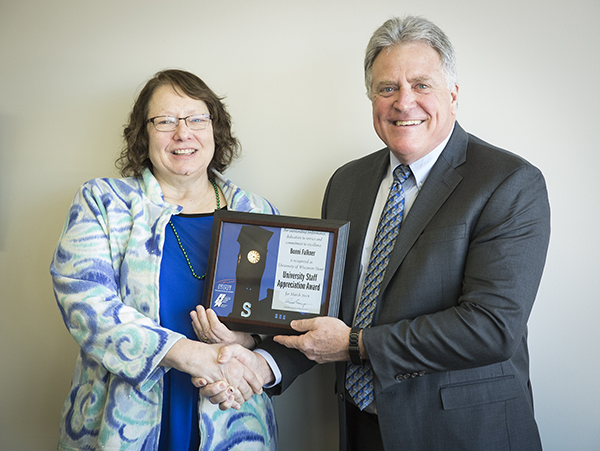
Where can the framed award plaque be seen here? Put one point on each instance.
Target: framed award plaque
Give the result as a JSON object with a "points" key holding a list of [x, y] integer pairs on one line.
{"points": [[266, 270]]}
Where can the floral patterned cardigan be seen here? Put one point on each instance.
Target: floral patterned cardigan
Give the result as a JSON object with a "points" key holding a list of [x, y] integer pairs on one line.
{"points": [[105, 273]]}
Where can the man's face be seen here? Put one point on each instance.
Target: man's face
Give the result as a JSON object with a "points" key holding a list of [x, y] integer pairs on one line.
{"points": [[413, 108]]}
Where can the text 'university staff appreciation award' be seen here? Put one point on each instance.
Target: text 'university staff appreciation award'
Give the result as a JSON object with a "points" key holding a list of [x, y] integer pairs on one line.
{"points": [[265, 270]]}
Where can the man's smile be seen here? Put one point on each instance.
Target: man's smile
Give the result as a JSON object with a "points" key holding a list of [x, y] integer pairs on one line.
{"points": [[405, 123]]}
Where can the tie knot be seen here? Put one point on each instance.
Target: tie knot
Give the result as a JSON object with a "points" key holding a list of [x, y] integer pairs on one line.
{"points": [[401, 173]]}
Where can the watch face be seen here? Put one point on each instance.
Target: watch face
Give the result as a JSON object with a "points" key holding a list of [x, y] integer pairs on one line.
{"points": [[253, 257]]}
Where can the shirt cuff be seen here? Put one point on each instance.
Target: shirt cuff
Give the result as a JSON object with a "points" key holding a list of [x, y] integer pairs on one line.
{"points": [[271, 361]]}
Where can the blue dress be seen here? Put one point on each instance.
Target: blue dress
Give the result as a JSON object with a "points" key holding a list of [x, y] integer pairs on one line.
{"points": [[180, 292]]}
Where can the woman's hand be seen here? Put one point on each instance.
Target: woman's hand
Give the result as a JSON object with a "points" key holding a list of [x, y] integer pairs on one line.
{"points": [[209, 329]]}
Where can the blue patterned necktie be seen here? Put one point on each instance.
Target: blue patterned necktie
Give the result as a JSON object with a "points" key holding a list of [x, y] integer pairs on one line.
{"points": [[359, 378]]}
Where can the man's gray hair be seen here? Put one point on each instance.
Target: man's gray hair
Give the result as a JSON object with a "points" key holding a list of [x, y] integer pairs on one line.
{"points": [[405, 30]]}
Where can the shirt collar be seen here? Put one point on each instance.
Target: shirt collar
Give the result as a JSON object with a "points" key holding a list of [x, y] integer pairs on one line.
{"points": [[422, 167]]}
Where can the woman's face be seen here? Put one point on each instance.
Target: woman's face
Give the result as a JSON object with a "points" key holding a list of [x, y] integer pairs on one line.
{"points": [[181, 155]]}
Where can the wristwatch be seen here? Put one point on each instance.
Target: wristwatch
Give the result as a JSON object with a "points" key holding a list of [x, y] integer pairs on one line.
{"points": [[353, 347]]}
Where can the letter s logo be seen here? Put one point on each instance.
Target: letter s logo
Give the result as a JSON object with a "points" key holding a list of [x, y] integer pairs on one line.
{"points": [[246, 310]]}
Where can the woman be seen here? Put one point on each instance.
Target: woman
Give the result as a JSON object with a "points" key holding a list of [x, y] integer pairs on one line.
{"points": [[129, 269]]}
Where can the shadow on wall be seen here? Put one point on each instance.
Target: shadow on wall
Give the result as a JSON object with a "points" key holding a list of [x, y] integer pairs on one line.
{"points": [[307, 412], [6, 142], [41, 359]]}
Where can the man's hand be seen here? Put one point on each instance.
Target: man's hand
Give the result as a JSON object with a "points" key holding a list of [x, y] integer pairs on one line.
{"points": [[325, 340]]}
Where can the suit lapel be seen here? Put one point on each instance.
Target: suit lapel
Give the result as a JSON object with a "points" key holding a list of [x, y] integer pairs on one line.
{"points": [[364, 191], [440, 184]]}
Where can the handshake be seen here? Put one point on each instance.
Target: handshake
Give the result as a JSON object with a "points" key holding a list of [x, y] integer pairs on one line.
{"points": [[226, 370], [222, 365], [235, 375]]}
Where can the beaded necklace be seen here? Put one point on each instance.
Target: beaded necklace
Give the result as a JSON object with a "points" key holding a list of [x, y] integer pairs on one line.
{"points": [[187, 259]]}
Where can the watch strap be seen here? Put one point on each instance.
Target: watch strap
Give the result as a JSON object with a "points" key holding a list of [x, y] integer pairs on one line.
{"points": [[353, 347]]}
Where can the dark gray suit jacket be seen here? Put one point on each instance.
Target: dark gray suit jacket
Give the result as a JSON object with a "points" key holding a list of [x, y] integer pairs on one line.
{"points": [[448, 343]]}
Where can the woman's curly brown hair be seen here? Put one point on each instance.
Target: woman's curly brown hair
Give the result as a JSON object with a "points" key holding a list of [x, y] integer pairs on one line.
{"points": [[135, 158]]}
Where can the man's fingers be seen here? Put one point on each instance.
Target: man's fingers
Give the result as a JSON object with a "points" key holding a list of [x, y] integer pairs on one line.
{"points": [[303, 325], [222, 395], [229, 403], [289, 341], [252, 379], [297, 341], [250, 365], [226, 397], [243, 355], [243, 393], [199, 382], [210, 390], [226, 404], [226, 353]]}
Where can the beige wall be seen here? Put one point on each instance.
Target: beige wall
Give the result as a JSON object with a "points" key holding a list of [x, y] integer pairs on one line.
{"points": [[291, 71]]}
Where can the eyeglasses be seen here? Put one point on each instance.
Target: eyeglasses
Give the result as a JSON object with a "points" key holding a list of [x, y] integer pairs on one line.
{"points": [[170, 123]]}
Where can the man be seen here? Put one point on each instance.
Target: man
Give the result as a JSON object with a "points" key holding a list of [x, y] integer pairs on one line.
{"points": [[439, 360]]}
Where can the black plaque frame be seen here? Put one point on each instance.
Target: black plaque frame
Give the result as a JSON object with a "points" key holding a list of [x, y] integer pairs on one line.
{"points": [[237, 289]]}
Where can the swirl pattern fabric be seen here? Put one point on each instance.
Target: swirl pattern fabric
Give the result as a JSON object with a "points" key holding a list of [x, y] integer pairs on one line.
{"points": [[105, 273], [359, 378]]}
